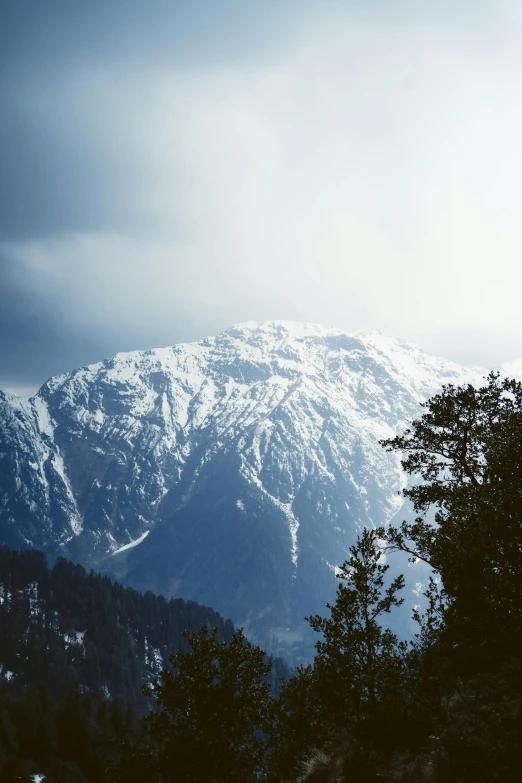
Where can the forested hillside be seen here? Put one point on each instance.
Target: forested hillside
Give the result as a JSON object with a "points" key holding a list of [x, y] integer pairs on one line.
{"points": [[63, 626], [75, 650]]}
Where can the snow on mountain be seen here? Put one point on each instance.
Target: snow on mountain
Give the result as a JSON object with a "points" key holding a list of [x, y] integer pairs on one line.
{"points": [[37, 504], [235, 471], [512, 369]]}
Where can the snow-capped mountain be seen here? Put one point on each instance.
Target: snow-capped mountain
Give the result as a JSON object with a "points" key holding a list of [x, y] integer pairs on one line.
{"points": [[235, 471]]}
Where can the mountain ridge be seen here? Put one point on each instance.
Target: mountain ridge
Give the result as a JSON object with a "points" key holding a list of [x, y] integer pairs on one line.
{"points": [[205, 469]]}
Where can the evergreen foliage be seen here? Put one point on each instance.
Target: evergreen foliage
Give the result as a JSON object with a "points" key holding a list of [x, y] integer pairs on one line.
{"points": [[75, 650], [354, 687], [69, 740], [63, 626], [355, 654], [214, 709], [467, 448]]}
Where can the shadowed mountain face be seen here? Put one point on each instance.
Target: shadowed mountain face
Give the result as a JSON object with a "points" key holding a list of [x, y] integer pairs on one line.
{"points": [[235, 471]]}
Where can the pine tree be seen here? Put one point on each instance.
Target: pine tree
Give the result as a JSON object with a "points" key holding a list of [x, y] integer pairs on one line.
{"points": [[467, 448], [214, 707], [356, 656]]}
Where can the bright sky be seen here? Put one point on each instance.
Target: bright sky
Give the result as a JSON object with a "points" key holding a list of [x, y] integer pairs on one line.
{"points": [[172, 168]]}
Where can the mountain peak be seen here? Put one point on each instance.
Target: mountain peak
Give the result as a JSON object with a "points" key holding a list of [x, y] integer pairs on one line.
{"points": [[281, 328], [367, 332], [248, 460]]}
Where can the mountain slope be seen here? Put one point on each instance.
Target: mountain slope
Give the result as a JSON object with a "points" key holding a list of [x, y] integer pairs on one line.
{"points": [[235, 471]]}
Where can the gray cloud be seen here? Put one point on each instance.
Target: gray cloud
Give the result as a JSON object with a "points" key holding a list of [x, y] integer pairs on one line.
{"points": [[36, 341], [359, 167]]}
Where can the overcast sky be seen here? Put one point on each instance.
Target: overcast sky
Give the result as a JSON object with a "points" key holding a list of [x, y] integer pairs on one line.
{"points": [[171, 168]]}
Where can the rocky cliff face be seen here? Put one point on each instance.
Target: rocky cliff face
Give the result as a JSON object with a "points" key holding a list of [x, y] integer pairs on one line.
{"points": [[235, 471]]}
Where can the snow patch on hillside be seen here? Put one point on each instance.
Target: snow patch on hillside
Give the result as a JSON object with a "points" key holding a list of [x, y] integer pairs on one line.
{"points": [[43, 416], [132, 543]]}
